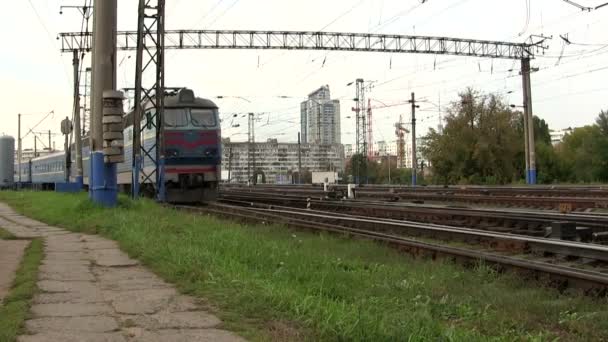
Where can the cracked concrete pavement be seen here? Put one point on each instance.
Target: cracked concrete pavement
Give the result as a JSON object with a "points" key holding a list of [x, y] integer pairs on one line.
{"points": [[91, 291]]}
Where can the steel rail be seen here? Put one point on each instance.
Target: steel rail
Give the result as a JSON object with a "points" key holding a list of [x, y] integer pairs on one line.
{"points": [[598, 222], [568, 248], [575, 203], [585, 278]]}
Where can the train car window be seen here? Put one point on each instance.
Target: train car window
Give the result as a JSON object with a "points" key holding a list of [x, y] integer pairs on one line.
{"points": [[202, 117], [175, 117]]}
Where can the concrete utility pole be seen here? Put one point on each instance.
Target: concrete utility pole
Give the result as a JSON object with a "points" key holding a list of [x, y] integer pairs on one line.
{"points": [[103, 178], [66, 129], [19, 147], [229, 164], [414, 161], [35, 146], [528, 122], [50, 147], [77, 132], [86, 95], [251, 149], [299, 160]]}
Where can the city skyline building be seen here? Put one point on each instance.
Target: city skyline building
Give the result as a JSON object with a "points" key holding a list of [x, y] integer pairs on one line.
{"points": [[278, 162], [320, 118]]}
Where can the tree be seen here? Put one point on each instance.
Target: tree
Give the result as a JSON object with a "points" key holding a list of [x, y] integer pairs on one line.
{"points": [[584, 153], [602, 122], [478, 143], [358, 165]]}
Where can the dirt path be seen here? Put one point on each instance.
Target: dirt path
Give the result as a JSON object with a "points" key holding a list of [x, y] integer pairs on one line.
{"points": [[91, 291]]}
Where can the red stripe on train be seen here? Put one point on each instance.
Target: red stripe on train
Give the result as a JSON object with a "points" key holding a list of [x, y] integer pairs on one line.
{"points": [[181, 143]]}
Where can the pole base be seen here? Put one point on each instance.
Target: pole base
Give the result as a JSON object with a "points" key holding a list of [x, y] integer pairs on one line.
{"points": [[79, 181], [104, 189], [532, 177]]}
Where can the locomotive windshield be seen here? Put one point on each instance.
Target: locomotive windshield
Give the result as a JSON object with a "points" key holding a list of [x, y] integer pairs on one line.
{"points": [[184, 117], [202, 117], [176, 117]]}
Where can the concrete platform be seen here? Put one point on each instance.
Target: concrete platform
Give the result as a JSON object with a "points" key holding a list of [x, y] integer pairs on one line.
{"points": [[91, 291]]}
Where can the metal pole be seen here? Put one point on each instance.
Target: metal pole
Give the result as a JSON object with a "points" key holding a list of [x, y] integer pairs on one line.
{"points": [[66, 150], [530, 117], [414, 161], [249, 145], [50, 147], [19, 146], [77, 132], [230, 164], [299, 160], [160, 100], [103, 177], [35, 146], [138, 111], [357, 166], [525, 74], [389, 169], [255, 180]]}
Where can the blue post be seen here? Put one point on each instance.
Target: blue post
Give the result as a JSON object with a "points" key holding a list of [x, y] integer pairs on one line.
{"points": [[162, 195], [135, 177], [91, 175], [414, 178], [79, 181], [532, 176], [104, 186]]}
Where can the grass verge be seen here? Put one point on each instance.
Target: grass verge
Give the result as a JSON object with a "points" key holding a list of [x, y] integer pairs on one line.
{"points": [[14, 309], [6, 235], [271, 283]]}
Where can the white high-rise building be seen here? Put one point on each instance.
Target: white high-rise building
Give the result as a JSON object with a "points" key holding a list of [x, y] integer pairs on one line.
{"points": [[320, 118]]}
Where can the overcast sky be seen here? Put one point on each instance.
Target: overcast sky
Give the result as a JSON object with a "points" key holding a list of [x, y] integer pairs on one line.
{"points": [[35, 77]]}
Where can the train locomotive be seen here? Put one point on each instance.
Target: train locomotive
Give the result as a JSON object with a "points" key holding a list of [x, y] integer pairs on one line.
{"points": [[192, 150]]}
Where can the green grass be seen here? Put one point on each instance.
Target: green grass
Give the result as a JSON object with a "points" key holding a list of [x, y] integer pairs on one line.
{"points": [[272, 283], [6, 235], [14, 309]]}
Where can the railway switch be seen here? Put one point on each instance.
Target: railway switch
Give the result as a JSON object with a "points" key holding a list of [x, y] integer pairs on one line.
{"points": [[563, 230]]}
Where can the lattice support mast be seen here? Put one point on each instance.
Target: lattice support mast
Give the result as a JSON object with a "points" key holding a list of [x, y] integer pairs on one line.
{"points": [[148, 159], [370, 132]]}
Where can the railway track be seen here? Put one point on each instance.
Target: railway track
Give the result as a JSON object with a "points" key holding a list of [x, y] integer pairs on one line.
{"points": [[563, 263], [562, 199], [539, 191], [588, 227]]}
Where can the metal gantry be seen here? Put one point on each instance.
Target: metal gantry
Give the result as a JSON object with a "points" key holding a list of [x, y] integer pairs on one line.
{"points": [[148, 159], [151, 38], [299, 40]]}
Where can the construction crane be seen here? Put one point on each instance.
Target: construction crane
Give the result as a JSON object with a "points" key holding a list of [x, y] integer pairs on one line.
{"points": [[371, 153], [400, 132]]}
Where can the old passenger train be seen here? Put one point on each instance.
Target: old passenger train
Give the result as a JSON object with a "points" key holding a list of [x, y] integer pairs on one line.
{"points": [[192, 146]]}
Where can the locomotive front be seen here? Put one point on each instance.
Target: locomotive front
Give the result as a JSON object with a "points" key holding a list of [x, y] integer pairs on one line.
{"points": [[192, 148]]}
